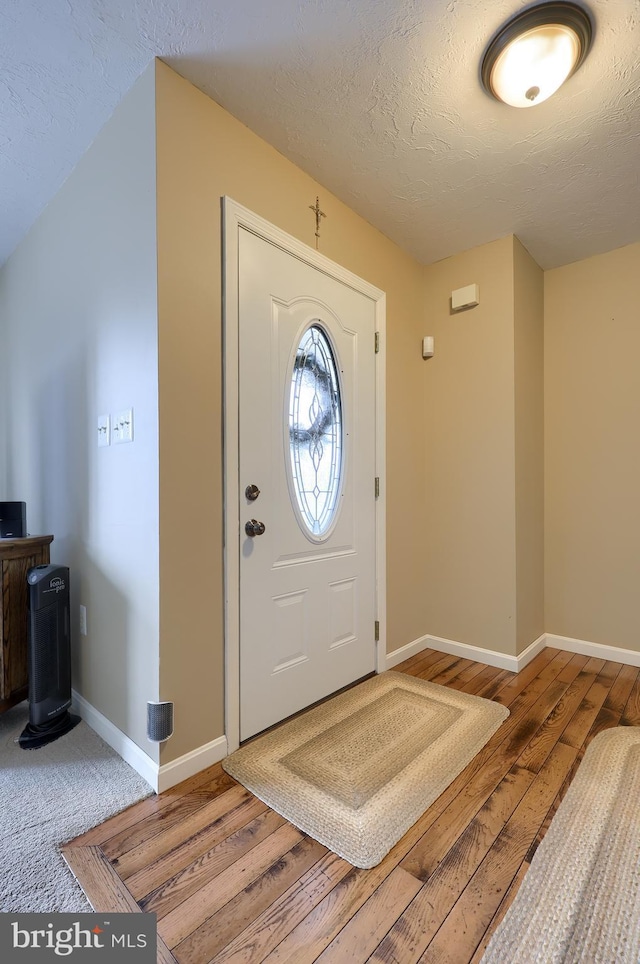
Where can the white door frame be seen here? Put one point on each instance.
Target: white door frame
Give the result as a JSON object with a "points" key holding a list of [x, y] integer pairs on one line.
{"points": [[234, 217]]}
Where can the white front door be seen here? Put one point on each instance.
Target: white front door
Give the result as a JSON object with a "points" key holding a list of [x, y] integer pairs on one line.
{"points": [[307, 467]]}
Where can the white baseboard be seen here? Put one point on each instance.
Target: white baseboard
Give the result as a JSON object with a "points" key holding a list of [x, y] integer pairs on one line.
{"points": [[117, 740], [405, 652], [586, 648], [513, 663], [191, 763], [454, 648], [159, 777], [532, 650]]}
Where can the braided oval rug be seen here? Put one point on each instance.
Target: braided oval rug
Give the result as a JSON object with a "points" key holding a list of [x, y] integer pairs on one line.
{"points": [[579, 902], [357, 771]]}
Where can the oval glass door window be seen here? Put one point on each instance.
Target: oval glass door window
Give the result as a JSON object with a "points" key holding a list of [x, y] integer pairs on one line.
{"points": [[315, 432]]}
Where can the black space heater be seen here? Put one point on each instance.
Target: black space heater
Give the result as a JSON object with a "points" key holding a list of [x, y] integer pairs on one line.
{"points": [[49, 643]]}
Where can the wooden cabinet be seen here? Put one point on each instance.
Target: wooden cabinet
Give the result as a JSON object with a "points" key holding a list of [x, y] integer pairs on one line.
{"points": [[17, 556]]}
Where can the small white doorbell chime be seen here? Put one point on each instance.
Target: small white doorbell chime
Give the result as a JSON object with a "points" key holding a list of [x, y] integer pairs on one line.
{"points": [[467, 297]]}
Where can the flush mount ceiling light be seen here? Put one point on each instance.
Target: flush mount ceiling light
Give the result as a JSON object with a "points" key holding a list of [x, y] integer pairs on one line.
{"points": [[533, 54]]}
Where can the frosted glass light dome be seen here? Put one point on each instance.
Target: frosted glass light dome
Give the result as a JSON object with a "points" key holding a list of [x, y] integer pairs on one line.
{"points": [[535, 53]]}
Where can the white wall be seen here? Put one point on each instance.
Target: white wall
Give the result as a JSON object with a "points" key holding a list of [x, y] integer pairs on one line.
{"points": [[78, 315], [4, 492]]}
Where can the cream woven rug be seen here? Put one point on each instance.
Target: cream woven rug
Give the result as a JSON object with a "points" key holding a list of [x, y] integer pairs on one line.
{"points": [[579, 902], [357, 771]]}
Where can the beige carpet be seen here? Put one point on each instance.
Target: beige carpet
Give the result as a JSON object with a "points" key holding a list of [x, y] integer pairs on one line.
{"points": [[47, 797], [579, 902], [357, 771]]}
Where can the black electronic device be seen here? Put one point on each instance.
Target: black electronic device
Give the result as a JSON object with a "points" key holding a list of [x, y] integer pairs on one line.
{"points": [[49, 641], [13, 520]]}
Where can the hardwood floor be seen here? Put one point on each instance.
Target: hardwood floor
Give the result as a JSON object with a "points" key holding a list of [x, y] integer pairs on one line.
{"points": [[232, 881]]}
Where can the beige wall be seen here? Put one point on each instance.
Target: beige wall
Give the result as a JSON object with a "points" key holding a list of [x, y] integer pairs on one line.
{"points": [[592, 415], [202, 154], [483, 427], [529, 445], [468, 507], [466, 443]]}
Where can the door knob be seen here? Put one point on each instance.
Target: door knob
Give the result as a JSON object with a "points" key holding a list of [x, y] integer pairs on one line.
{"points": [[251, 493], [254, 528]]}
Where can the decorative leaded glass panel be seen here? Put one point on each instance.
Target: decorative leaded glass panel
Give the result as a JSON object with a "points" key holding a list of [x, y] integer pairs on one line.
{"points": [[315, 431]]}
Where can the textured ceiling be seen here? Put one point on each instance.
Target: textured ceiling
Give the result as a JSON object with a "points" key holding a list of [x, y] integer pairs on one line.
{"points": [[378, 99]]}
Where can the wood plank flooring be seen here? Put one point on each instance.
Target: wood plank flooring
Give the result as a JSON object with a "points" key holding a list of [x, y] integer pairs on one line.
{"points": [[232, 881]]}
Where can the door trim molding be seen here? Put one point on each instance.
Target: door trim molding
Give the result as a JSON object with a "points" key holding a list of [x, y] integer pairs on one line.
{"points": [[234, 217]]}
